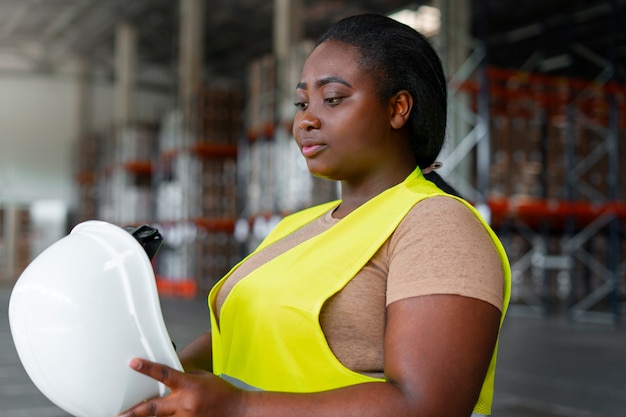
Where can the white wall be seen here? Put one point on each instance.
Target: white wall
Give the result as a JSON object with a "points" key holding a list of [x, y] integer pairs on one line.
{"points": [[39, 128]]}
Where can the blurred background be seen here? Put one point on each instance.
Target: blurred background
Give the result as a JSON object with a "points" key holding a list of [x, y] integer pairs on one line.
{"points": [[178, 114]]}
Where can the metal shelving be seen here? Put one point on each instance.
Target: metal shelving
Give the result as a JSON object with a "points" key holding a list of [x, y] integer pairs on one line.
{"points": [[543, 153], [540, 156], [273, 177], [196, 183]]}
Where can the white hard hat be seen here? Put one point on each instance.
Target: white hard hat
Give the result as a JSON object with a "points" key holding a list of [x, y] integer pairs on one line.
{"points": [[81, 311]]}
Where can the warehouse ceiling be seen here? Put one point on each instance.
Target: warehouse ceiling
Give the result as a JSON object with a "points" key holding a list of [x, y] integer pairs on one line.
{"points": [[577, 38], [566, 37]]}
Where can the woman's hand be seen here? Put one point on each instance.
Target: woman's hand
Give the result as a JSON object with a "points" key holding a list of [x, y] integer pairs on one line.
{"points": [[192, 394]]}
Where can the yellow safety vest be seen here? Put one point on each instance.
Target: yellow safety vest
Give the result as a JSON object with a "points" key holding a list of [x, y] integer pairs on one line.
{"points": [[269, 336]]}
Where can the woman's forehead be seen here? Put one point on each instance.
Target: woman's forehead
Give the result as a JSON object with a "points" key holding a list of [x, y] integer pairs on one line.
{"points": [[333, 59]]}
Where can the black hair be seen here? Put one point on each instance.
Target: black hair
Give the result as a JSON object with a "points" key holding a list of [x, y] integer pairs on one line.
{"points": [[435, 178], [400, 58]]}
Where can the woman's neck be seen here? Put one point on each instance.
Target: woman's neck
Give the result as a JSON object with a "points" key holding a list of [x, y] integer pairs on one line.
{"points": [[356, 193]]}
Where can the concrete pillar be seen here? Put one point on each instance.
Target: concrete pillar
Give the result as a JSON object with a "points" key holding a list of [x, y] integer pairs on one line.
{"points": [[84, 119], [11, 238], [125, 72], [454, 39], [191, 54], [454, 46], [288, 32], [483, 148]]}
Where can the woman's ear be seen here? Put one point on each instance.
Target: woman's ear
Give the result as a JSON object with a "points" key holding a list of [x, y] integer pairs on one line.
{"points": [[400, 104]]}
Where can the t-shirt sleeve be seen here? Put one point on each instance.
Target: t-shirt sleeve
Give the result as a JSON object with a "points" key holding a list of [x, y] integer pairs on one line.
{"points": [[441, 247]]}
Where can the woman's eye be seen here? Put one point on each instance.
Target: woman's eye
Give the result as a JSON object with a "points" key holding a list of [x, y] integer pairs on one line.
{"points": [[301, 105], [333, 101]]}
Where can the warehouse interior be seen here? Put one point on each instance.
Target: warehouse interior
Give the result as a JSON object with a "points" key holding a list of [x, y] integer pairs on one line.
{"points": [[178, 114]]}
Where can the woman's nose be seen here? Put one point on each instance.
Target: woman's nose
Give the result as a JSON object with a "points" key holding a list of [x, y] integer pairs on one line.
{"points": [[309, 122]]}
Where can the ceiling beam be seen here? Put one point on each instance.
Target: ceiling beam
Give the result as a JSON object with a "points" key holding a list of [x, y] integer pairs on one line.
{"points": [[67, 18], [18, 17], [536, 29]]}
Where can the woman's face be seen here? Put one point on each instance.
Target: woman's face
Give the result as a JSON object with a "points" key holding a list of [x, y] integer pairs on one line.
{"points": [[341, 125]]}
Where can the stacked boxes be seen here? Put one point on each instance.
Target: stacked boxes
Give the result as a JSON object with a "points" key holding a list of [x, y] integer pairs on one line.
{"points": [[177, 202], [219, 128], [126, 194], [216, 254], [219, 116], [261, 98], [273, 173], [571, 116], [551, 174], [197, 191]]}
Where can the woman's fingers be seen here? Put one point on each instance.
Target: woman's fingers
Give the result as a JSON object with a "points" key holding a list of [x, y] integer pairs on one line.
{"points": [[149, 408], [192, 394], [162, 373]]}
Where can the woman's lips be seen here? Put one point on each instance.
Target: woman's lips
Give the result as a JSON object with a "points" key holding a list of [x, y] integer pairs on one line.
{"points": [[311, 150]]}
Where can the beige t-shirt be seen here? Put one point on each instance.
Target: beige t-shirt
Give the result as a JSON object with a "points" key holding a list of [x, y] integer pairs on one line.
{"points": [[440, 247]]}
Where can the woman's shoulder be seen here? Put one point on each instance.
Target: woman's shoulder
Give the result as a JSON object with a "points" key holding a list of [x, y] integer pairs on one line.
{"points": [[453, 250], [445, 223], [442, 212]]}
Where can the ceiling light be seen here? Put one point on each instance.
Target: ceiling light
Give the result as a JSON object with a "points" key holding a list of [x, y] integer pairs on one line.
{"points": [[424, 19]]}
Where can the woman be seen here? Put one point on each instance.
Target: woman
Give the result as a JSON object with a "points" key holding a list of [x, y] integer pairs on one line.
{"points": [[387, 302]]}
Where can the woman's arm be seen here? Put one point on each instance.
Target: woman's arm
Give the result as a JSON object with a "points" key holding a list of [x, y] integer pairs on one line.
{"points": [[197, 354], [437, 351]]}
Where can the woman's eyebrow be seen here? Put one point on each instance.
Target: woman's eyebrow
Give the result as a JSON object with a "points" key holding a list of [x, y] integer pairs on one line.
{"points": [[322, 82]]}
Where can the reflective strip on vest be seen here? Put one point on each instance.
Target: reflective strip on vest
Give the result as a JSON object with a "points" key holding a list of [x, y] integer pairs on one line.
{"points": [[269, 334], [239, 383]]}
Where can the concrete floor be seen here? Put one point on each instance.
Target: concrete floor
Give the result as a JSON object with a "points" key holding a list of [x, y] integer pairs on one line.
{"points": [[546, 367]]}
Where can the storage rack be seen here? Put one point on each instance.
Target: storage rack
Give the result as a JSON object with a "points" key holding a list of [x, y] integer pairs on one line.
{"points": [[544, 153], [125, 174], [15, 240], [113, 174], [196, 183], [561, 216], [273, 178], [180, 177]]}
